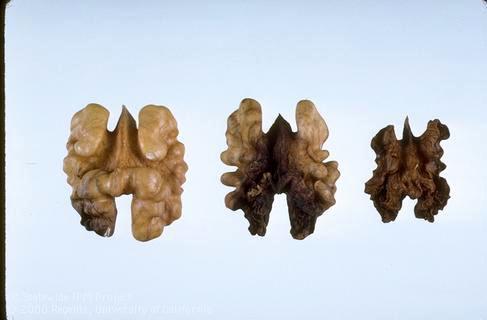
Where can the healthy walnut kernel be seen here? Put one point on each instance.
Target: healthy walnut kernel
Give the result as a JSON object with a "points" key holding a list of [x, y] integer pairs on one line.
{"points": [[147, 163]]}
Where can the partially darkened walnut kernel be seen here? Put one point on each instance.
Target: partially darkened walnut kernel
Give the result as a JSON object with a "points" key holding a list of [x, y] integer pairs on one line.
{"points": [[409, 167], [280, 161], [147, 163]]}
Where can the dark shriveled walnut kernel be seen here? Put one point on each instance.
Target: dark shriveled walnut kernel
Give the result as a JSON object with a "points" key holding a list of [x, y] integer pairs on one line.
{"points": [[409, 167], [280, 161]]}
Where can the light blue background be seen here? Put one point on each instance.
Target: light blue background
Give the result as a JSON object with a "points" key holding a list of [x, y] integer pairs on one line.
{"points": [[365, 64]]}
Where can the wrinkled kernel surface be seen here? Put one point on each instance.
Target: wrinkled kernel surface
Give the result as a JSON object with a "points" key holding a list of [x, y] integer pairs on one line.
{"points": [[279, 161], [409, 167], [147, 163]]}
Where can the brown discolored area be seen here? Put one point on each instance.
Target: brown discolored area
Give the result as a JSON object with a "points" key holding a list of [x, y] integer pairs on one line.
{"points": [[409, 167], [279, 161]]}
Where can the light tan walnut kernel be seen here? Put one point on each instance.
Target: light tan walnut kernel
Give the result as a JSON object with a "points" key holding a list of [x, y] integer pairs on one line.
{"points": [[148, 163]]}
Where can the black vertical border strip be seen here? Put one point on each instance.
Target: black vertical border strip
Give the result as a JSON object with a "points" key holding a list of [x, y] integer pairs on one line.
{"points": [[2, 164]]}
